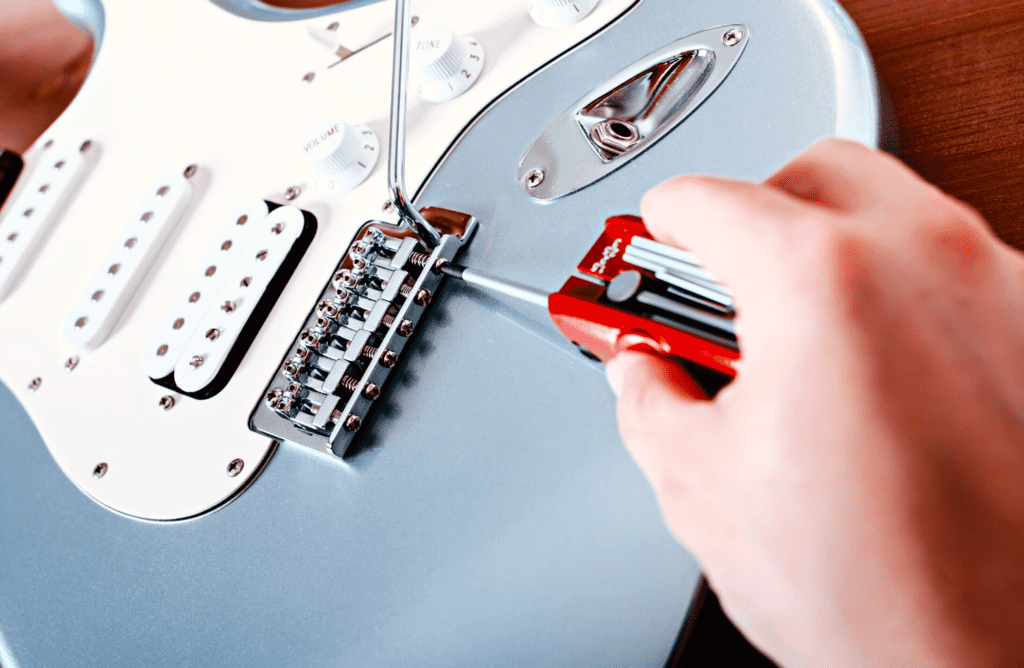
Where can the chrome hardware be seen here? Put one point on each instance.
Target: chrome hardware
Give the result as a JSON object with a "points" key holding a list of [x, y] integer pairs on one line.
{"points": [[100, 470], [628, 113], [34, 384], [235, 467], [351, 339], [167, 402]]}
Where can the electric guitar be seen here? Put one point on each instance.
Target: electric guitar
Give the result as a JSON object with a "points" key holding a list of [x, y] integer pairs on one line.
{"points": [[175, 233]]}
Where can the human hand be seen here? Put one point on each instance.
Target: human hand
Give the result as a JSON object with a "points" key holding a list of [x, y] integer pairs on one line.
{"points": [[856, 495]]}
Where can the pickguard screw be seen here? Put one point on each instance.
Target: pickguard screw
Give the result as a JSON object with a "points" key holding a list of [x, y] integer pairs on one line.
{"points": [[733, 37], [34, 385], [308, 78], [71, 364], [86, 145], [423, 297], [405, 327], [353, 423], [371, 391], [197, 361], [388, 359], [292, 192], [190, 171], [333, 26], [235, 467], [389, 207], [213, 334], [48, 144], [534, 178], [228, 307], [167, 402], [100, 470]]}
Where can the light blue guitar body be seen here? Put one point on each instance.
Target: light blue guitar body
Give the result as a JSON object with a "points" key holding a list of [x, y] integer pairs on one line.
{"points": [[490, 516]]}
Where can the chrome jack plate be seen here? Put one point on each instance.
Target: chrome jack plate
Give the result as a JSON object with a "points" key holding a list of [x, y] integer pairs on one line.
{"points": [[627, 114]]}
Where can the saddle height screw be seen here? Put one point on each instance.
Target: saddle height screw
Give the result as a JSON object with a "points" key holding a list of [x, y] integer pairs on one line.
{"points": [[235, 467], [71, 364], [100, 470], [733, 37], [535, 178], [167, 402], [34, 385]]}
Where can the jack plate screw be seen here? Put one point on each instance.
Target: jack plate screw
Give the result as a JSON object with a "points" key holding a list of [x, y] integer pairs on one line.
{"points": [[167, 402], [235, 467], [733, 37], [100, 470], [534, 178]]}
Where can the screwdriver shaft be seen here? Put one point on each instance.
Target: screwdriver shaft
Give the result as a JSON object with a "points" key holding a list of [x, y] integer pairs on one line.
{"points": [[495, 284]]}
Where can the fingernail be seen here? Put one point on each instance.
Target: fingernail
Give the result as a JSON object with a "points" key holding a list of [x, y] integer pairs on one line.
{"points": [[614, 371]]}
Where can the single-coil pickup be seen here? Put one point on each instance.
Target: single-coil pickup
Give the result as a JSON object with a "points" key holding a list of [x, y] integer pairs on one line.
{"points": [[267, 260], [108, 294], [209, 275], [30, 217]]}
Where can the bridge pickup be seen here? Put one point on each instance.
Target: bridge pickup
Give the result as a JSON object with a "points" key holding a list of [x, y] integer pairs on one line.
{"points": [[338, 368], [232, 289]]}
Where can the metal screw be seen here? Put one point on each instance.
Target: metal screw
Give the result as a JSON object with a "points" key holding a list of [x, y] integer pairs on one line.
{"points": [[242, 220], [81, 322], [535, 178], [48, 144], [246, 282], [440, 264], [162, 350], [308, 78], [235, 467], [86, 145], [163, 191], [190, 171], [179, 323], [197, 361], [353, 423], [34, 385], [211, 270], [167, 402], [388, 359], [98, 295], [262, 255], [228, 306], [389, 207], [277, 229], [371, 391], [733, 37], [335, 415], [114, 268], [99, 471], [423, 297], [193, 298], [131, 243], [71, 363], [213, 334], [405, 327], [148, 216], [292, 192], [333, 26]]}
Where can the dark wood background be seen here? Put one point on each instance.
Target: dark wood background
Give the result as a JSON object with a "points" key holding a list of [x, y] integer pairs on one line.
{"points": [[955, 72]]}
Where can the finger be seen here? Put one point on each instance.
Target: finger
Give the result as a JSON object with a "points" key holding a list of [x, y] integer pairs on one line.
{"points": [[742, 232], [661, 412], [845, 176]]}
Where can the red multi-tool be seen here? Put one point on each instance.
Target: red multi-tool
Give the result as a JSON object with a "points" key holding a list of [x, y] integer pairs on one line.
{"points": [[636, 293]]}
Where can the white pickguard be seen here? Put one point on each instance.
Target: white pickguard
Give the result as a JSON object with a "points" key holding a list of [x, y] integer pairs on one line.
{"points": [[180, 82]]}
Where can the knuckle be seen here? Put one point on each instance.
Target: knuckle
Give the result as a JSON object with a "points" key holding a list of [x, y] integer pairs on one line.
{"points": [[957, 242]]}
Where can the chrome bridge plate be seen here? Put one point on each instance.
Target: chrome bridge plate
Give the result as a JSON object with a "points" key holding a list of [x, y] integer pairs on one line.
{"points": [[337, 370]]}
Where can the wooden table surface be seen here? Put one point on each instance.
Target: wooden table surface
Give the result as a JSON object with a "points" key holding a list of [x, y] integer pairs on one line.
{"points": [[955, 72]]}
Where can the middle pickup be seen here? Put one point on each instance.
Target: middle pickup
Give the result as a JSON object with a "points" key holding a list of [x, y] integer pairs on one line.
{"points": [[231, 290]]}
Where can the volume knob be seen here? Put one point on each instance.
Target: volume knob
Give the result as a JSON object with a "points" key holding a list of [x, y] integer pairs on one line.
{"points": [[560, 13], [343, 154], [447, 64]]}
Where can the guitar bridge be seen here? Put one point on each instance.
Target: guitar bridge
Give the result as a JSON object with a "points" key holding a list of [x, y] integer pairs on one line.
{"points": [[337, 370]]}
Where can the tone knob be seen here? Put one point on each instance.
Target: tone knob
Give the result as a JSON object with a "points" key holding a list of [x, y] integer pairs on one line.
{"points": [[560, 13], [447, 64], [343, 154]]}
